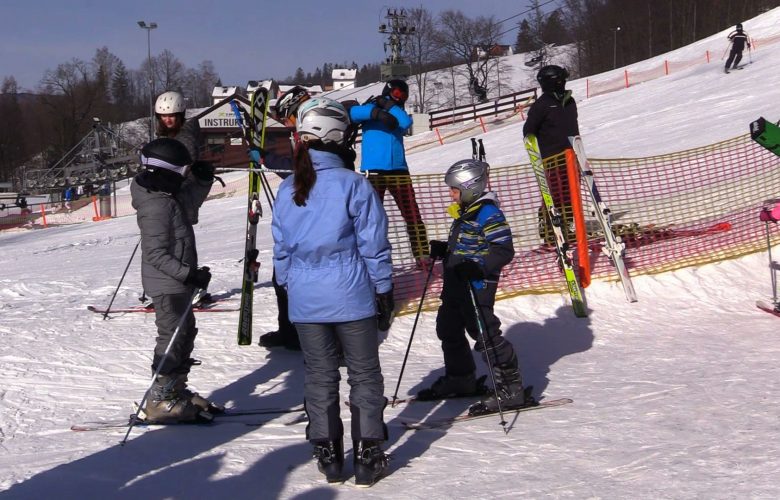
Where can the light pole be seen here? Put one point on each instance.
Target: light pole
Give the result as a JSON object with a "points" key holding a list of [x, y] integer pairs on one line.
{"points": [[614, 46], [149, 29]]}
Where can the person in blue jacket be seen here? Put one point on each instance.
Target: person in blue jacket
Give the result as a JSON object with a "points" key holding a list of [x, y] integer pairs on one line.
{"points": [[384, 123], [332, 254]]}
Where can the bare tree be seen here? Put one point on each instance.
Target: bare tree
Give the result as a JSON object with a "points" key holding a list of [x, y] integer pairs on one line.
{"points": [[70, 95], [199, 84], [12, 139], [169, 72], [470, 41], [422, 50]]}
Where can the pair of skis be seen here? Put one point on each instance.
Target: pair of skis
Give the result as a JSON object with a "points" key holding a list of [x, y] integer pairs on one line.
{"points": [[614, 248], [253, 128]]}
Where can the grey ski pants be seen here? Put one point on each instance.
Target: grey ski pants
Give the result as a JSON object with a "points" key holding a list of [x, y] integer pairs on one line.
{"points": [[168, 310], [320, 344]]}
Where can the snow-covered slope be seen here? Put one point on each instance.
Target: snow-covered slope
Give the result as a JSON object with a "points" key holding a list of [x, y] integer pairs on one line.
{"points": [[676, 396]]}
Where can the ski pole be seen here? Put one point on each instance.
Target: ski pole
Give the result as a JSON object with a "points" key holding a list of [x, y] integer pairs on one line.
{"points": [[481, 327], [134, 418], [725, 51], [414, 328], [771, 265], [108, 309]]}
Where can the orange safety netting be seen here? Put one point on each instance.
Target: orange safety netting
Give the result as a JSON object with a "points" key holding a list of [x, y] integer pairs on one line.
{"points": [[688, 208], [681, 209]]}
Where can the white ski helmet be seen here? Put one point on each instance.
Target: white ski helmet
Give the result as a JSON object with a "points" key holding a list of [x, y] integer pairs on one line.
{"points": [[169, 103], [469, 177], [324, 119]]}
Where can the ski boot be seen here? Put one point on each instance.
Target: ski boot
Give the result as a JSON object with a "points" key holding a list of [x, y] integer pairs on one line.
{"points": [[167, 406], [454, 386], [510, 392], [330, 459], [196, 399], [370, 462], [279, 338]]}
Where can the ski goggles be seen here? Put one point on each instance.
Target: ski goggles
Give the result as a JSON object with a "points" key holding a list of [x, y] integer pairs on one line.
{"points": [[398, 95]]}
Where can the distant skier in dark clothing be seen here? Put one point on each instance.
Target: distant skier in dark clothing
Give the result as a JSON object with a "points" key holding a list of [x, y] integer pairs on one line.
{"points": [[552, 119], [738, 39]]}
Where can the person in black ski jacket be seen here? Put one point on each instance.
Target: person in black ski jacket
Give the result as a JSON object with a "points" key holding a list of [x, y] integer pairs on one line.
{"points": [[170, 272], [552, 119], [738, 39]]}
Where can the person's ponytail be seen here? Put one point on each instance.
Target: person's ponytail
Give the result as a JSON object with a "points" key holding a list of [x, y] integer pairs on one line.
{"points": [[305, 175]]}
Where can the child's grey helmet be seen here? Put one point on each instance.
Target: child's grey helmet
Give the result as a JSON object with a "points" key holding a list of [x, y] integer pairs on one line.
{"points": [[469, 177]]}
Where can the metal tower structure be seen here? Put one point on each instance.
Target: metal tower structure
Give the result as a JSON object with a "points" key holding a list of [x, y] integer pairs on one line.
{"points": [[397, 29]]}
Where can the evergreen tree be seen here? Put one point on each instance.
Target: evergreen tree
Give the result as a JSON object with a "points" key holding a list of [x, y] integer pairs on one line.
{"points": [[525, 41]]}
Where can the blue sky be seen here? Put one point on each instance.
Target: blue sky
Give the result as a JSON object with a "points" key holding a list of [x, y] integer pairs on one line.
{"points": [[245, 39]]}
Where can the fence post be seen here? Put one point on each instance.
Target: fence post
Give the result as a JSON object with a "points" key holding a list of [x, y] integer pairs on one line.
{"points": [[439, 136]]}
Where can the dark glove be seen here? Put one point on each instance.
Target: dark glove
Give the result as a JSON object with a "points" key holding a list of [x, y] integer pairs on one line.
{"points": [[766, 216], [256, 154], [438, 249], [203, 170], [469, 270], [199, 278], [385, 103], [384, 118], [385, 306]]}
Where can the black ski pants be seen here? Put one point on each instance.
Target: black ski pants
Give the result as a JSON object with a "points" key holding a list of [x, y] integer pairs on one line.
{"points": [[736, 56], [456, 317]]}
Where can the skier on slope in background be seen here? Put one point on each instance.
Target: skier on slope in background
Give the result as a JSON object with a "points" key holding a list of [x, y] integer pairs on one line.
{"points": [[738, 38]]}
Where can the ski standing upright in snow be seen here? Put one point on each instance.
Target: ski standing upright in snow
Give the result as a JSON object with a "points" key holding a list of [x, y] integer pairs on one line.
{"points": [[556, 221], [259, 112], [614, 247]]}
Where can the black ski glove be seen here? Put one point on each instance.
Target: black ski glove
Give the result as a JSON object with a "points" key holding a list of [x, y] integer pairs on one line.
{"points": [[385, 306], [385, 103], [469, 270], [438, 249], [384, 118], [199, 278], [203, 170]]}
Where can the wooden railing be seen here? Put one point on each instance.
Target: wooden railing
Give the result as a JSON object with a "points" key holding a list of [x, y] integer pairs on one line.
{"points": [[503, 104]]}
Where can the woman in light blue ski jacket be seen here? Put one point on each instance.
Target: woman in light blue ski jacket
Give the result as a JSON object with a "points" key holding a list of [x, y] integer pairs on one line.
{"points": [[332, 254]]}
